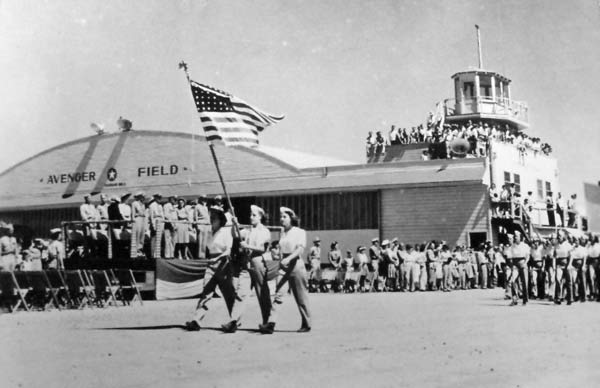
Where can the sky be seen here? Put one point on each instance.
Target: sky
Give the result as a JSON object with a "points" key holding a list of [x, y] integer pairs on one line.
{"points": [[335, 68]]}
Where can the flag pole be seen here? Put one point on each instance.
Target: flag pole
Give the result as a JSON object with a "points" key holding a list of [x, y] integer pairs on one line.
{"points": [[184, 67]]}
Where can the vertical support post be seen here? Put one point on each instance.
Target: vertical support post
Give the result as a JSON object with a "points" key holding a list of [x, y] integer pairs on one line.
{"points": [[479, 47], [109, 232], [477, 93]]}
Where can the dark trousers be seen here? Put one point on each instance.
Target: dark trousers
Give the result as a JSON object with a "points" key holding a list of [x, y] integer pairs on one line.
{"points": [[563, 275], [580, 279]]}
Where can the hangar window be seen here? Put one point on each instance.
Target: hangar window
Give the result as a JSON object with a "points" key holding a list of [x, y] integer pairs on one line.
{"points": [[327, 211]]}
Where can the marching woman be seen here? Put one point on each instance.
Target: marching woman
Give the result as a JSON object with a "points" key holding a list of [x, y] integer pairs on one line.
{"points": [[292, 243], [218, 272], [254, 241]]}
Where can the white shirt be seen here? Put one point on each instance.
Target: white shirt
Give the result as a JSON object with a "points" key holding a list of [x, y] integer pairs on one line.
{"points": [[220, 241], [125, 210], [292, 239]]}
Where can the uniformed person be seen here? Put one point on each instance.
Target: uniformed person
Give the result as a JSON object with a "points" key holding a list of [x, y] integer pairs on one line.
{"points": [[579, 256], [508, 267], [56, 250], [410, 265], [549, 268], [363, 267], [102, 211], [218, 272], [170, 216], [314, 260], [182, 235], [157, 224], [374, 261], [536, 270], [482, 260], [520, 255], [445, 259], [138, 232], [431, 255], [8, 248], [563, 265], [202, 222], [292, 243], [253, 244], [594, 267], [335, 260], [385, 263]]}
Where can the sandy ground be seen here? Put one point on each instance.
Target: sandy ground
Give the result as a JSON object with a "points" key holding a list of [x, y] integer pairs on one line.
{"points": [[465, 338]]}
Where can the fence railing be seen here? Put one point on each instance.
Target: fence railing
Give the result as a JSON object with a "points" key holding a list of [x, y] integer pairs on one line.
{"points": [[498, 106], [104, 231]]}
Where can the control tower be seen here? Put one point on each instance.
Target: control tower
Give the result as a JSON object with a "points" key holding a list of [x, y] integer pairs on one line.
{"points": [[481, 95]]}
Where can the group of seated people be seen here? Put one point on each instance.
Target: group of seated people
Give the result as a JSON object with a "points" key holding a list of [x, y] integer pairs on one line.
{"points": [[476, 136]]}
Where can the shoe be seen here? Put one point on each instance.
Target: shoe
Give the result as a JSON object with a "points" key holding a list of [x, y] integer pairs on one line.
{"points": [[569, 303], [192, 326], [557, 301], [524, 302], [513, 303], [267, 328], [230, 327], [304, 329]]}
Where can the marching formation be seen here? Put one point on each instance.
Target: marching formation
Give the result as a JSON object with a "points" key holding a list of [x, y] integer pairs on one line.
{"points": [[559, 268], [238, 258]]}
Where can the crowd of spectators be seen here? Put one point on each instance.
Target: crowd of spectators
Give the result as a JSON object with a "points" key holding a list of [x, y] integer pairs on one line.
{"points": [[476, 137], [34, 254], [509, 203], [392, 266]]}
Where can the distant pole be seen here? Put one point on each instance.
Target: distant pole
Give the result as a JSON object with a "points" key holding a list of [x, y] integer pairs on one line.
{"points": [[479, 47]]}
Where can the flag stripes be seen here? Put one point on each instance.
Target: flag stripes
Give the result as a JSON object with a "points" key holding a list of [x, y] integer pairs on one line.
{"points": [[227, 118]]}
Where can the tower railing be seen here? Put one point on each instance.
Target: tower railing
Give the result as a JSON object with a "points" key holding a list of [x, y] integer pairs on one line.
{"points": [[516, 110]]}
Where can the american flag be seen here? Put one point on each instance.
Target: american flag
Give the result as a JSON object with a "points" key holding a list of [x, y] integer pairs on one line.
{"points": [[227, 118]]}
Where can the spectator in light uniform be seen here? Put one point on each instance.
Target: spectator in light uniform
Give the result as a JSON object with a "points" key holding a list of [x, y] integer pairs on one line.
{"points": [[314, 261], [579, 256], [157, 223], [520, 256], [563, 265]]}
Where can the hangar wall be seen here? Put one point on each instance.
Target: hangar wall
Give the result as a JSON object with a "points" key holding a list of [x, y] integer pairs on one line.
{"points": [[417, 214]]}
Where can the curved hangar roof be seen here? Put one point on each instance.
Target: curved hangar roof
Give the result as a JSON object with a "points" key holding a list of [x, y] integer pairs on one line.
{"points": [[180, 163]]}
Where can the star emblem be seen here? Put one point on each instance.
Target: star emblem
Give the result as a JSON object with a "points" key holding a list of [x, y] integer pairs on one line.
{"points": [[112, 174]]}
